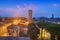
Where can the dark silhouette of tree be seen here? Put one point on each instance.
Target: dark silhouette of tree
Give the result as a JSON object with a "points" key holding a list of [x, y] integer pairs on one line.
{"points": [[54, 29], [33, 31]]}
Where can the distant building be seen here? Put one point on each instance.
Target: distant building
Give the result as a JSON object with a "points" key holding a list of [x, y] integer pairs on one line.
{"points": [[58, 22], [49, 20], [52, 16], [30, 16], [13, 30]]}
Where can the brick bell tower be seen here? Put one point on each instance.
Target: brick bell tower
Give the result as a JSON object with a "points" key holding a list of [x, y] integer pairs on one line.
{"points": [[30, 16]]}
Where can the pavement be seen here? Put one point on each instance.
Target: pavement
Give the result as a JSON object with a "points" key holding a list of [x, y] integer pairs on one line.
{"points": [[14, 38]]}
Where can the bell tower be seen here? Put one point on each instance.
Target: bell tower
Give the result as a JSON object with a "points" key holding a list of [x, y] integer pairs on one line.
{"points": [[30, 16]]}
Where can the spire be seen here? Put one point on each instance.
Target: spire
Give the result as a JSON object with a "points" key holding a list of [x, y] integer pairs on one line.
{"points": [[52, 16]]}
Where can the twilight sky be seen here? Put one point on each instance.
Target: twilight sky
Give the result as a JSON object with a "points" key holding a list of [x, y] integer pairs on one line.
{"points": [[20, 8]]}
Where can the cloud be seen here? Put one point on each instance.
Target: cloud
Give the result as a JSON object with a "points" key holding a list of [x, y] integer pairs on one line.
{"points": [[30, 6], [19, 10], [7, 10], [55, 4]]}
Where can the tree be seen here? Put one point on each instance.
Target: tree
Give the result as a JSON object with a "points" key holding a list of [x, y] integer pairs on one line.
{"points": [[54, 29], [33, 31]]}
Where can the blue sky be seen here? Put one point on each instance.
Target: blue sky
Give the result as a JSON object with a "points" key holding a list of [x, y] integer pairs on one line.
{"points": [[20, 8]]}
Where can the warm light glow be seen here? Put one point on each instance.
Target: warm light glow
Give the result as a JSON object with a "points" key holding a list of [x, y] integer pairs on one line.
{"points": [[3, 28], [16, 22], [45, 34], [26, 23]]}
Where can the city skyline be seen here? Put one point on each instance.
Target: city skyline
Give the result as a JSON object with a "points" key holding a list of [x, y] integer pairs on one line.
{"points": [[20, 8]]}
